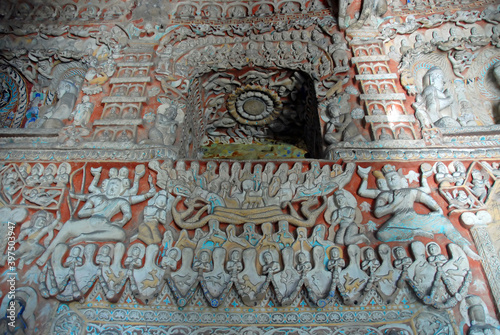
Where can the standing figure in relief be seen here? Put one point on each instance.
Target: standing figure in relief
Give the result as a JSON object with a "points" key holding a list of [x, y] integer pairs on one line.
{"points": [[405, 224], [270, 266], [339, 52], [437, 99], [401, 260], [82, 112]]}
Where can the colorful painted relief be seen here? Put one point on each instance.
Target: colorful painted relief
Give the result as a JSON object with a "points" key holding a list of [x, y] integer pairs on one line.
{"points": [[299, 167], [233, 235]]}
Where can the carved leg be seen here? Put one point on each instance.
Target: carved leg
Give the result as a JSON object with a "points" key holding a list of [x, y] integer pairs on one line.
{"points": [[66, 232], [352, 235], [455, 237], [107, 233], [391, 234]]}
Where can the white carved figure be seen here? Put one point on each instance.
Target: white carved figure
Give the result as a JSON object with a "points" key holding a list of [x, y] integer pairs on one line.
{"points": [[340, 126], [437, 99], [172, 257], [11, 183], [67, 92], [95, 217], [339, 51], [347, 216], [41, 224], [234, 264], [203, 261], [369, 264], [336, 263], [82, 112], [303, 263], [270, 266], [459, 199], [435, 257], [458, 172], [405, 224], [480, 184], [475, 313], [442, 174], [401, 261]]}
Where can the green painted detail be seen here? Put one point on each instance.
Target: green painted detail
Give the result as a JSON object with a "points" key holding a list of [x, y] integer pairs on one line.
{"points": [[252, 151]]}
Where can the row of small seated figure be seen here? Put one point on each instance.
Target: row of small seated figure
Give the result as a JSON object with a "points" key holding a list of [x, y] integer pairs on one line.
{"points": [[250, 271], [270, 261]]}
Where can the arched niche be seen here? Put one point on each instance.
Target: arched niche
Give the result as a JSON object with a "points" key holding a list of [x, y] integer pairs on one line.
{"points": [[252, 113]]}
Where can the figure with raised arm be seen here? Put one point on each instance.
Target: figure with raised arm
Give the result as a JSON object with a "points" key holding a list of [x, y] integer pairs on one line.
{"points": [[94, 223], [405, 224]]}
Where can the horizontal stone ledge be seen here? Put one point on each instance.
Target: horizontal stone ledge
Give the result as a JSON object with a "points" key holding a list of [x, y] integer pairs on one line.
{"points": [[376, 76], [390, 118], [476, 130], [408, 154], [374, 58], [124, 80], [391, 96], [123, 99], [134, 64], [28, 132], [91, 151], [118, 122]]}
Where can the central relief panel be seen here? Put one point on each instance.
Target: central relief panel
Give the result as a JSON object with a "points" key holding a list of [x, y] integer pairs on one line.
{"points": [[250, 245], [259, 113]]}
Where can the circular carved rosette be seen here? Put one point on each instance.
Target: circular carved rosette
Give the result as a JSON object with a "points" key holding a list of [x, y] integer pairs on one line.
{"points": [[254, 105]]}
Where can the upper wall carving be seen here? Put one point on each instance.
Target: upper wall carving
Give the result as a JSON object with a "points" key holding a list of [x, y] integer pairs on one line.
{"points": [[39, 12]]}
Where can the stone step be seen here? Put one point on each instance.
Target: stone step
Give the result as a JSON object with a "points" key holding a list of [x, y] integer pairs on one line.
{"points": [[118, 122], [124, 99], [376, 76], [123, 80], [390, 118], [375, 58], [134, 64], [392, 96]]}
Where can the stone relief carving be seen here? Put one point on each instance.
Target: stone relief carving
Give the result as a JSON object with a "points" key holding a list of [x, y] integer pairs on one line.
{"points": [[477, 317], [324, 264], [219, 260], [94, 224], [405, 224]]}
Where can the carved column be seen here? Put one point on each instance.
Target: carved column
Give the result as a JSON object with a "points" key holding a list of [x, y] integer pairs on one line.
{"points": [[490, 260]]}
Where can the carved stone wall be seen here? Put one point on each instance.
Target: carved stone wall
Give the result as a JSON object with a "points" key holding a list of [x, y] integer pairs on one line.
{"points": [[301, 167]]}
